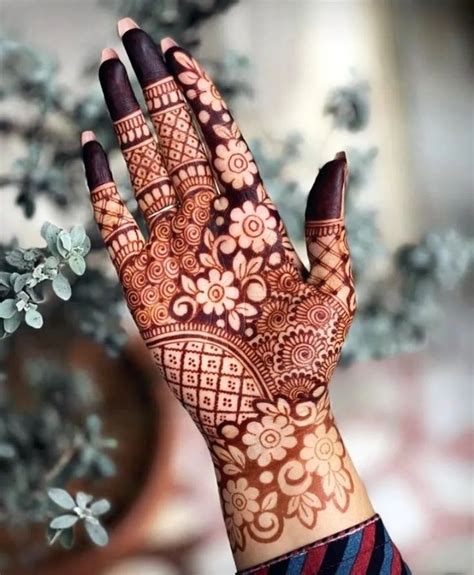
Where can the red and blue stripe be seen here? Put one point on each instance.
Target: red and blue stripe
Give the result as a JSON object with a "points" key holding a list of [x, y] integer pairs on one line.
{"points": [[363, 550]]}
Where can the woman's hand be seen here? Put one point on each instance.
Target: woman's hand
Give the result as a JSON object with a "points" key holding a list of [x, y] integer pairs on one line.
{"points": [[245, 337]]}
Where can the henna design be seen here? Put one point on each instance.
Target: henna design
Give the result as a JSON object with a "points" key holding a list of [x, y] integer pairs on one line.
{"points": [[231, 158], [180, 144], [245, 343], [272, 466], [330, 261], [149, 177]]}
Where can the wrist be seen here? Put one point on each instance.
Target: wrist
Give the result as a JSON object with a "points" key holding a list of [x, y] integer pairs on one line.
{"points": [[286, 479]]}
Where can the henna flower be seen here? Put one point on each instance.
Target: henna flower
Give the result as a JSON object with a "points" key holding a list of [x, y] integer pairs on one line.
{"points": [[296, 386], [208, 93], [234, 162], [269, 439], [299, 348], [240, 501], [217, 293], [285, 279], [201, 85], [323, 451], [274, 317], [253, 226]]}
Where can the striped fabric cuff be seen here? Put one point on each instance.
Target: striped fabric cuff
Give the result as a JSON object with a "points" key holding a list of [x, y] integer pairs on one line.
{"points": [[365, 549]]}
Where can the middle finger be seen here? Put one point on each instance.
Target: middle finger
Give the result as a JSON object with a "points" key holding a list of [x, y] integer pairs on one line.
{"points": [[181, 146]]}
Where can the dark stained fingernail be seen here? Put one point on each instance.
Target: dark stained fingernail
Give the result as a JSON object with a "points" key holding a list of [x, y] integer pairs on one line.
{"points": [[145, 57], [96, 164], [118, 92], [325, 200]]}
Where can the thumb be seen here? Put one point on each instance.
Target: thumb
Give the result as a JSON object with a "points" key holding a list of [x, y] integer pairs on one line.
{"points": [[330, 267]]}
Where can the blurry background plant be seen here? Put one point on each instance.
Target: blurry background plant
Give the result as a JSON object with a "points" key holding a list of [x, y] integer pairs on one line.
{"points": [[397, 292]]}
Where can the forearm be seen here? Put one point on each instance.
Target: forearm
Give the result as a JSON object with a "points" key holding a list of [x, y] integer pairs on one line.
{"points": [[286, 481]]}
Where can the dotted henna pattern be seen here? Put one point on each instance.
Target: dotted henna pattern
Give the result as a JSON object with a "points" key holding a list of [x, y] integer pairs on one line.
{"points": [[245, 342]]}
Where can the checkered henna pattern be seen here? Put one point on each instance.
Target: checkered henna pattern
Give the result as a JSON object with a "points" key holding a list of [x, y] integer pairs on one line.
{"points": [[245, 337]]}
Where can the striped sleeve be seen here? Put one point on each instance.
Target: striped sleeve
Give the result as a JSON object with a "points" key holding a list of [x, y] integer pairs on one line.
{"points": [[365, 549]]}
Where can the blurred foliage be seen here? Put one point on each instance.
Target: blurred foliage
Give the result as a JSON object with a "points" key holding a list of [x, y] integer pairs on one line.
{"points": [[61, 438], [49, 435], [348, 106], [25, 273]]}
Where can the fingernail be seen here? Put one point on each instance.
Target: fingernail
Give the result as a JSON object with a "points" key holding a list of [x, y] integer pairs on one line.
{"points": [[341, 156], [87, 136], [167, 43], [126, 24], [108, 54]]}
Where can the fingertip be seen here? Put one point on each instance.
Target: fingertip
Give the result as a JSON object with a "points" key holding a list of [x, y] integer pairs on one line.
{"points": [[108, 54], [326, 198], [126, 24], [145, 57], [118, 92], [96, 164], [167, 43], [341, 156], [87, 136]]}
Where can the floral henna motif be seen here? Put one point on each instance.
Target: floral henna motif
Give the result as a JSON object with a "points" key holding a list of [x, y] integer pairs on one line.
{"points": [[232, 159], [243, 340], [271, 467]]}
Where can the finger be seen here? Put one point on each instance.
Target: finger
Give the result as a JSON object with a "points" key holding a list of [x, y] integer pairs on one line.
{"points": [[180, 144], [232, 161], [150, 180], [326, 241], [119, 230]]}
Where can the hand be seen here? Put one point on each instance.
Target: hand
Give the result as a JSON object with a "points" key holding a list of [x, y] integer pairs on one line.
{"points": [[245, 337]]}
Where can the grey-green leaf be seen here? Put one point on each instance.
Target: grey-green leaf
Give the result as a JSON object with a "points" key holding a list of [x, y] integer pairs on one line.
{"points": [[12, 323], [77, 264], [34, 319], [62, 287], [5, 279], [77, 233], [50, 233], [61, 497], [83, 499], [20, 282], [7, 308], [100, 507], [97, 533], [64, 243], [64, 521], [51, 263], [86, 246]]}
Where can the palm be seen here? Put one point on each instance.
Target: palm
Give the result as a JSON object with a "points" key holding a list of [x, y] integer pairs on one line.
{"points": [[217, 289]]}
